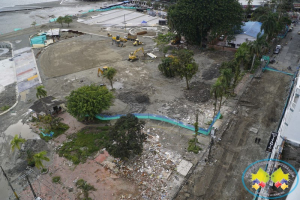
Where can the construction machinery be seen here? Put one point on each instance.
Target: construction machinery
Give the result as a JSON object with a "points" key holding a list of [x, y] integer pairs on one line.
{"points": [[119, 38], [137, 42], [133, 56], [109, 35], [102, 70], [131, 37]]}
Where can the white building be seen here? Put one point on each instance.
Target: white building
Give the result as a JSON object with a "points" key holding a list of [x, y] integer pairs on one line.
{"points": [[249, 32]]}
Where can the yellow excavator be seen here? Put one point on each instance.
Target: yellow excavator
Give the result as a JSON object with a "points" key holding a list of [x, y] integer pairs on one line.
{"points": [[102, 70], [119, 38], [133, 56], [137, 42], [109, 35]]}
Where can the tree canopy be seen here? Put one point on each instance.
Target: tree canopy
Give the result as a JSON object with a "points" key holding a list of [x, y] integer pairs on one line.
{"points": [[194, 19], [40, 92], [110, 74], [16, 142], [68, 19], [187, 67], [38, 159], [88, 101], [126, 137]]}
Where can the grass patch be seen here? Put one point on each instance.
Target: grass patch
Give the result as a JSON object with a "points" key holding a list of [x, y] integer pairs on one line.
{"points": [[84, 143], [4, 108], [56, 179], [193, 147], [61, 128]]}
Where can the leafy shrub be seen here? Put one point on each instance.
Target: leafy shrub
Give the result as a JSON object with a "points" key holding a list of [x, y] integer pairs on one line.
{"points": [[193, 147], [56, 179]]}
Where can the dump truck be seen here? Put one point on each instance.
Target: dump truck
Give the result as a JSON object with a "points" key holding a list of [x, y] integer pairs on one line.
{"points": [[131, 37]]}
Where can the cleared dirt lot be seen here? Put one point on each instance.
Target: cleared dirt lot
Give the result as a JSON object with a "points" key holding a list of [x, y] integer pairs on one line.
{"points": [[75, 55]]}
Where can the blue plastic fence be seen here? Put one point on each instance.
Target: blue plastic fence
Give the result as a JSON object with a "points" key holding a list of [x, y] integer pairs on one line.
{"points": [[164, 119]]}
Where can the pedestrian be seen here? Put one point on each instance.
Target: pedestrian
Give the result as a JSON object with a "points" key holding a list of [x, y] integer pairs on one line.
{"points": [[258, 140], [291, 38], [255, 139]]}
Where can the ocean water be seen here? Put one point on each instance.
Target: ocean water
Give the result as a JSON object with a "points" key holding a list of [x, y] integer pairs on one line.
{"points": [[11, 3]]}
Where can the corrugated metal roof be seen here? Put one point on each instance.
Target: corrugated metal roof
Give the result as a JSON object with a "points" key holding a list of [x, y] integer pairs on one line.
{"points": [[251, 28]]}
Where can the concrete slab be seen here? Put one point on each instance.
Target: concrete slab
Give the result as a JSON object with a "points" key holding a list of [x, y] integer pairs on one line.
{"points": [[117, 17], [26, 70], [184, 167]]}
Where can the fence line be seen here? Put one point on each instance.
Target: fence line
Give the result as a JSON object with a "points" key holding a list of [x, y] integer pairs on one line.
{"points": [[164, 119]]}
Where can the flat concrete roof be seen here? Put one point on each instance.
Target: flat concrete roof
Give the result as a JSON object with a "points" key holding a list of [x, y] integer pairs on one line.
{"points": [[118, 17]]}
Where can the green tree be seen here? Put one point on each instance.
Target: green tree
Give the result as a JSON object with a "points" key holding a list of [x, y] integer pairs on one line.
{"points": [[226, 78], [193, 147], [195, 19], [86, 187], [40, 92], [243, 55], [60, 20], [109, 74], [186, 66], [38, 159], [260, 11], [16, 142], [269, 24], [87, 101], [68, 19], [126, 137], [259, 45], [162, 40], [168, 67], [248, 9], [216, 92]]}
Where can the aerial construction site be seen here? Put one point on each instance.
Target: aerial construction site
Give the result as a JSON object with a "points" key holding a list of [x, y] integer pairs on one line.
{"points": [[76, 55]]}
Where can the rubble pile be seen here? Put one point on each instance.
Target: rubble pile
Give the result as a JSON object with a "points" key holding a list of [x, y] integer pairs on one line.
{"points": [[151, 171]]}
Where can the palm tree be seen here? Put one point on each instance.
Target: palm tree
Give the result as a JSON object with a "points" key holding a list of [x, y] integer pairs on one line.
{"points": [[109, 74], [216, 91], [226, 78], [41, 93], [269, 24], [259, 45], [16, 142], [39, 157]]}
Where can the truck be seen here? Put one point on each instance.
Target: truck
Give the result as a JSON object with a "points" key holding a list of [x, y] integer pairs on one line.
{"points": [[131, 37]]}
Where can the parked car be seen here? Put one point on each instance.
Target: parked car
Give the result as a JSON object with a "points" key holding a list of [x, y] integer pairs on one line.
{"points": [[276, 51]]}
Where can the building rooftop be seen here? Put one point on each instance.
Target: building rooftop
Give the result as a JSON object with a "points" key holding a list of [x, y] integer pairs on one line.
{"points": [[290, 123]]}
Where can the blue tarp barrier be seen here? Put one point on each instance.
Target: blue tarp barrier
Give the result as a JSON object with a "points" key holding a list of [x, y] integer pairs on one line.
{"points": [[53, 20], [17, 29], [38, 40], [164, 119], [46, 134]]}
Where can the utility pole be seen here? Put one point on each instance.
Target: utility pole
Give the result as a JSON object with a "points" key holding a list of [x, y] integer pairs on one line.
{"points": [[10, 184], [35, 197]]}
